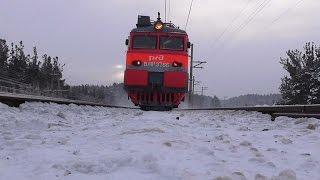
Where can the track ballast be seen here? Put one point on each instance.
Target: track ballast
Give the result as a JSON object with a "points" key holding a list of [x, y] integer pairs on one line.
{"points": [[294, 111]]}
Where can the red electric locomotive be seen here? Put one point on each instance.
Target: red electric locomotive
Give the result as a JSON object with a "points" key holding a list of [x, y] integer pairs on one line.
{"points": [[156, 75]]}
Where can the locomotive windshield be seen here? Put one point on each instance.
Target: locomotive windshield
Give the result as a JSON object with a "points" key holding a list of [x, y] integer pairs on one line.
{"points": [[171, 43], [145, 42]]}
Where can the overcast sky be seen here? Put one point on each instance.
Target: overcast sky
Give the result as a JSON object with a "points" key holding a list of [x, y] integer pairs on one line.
{"points": [[89, 35]]}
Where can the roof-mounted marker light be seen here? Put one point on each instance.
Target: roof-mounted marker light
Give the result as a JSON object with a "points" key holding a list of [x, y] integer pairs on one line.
{"points": [[158, 24]]}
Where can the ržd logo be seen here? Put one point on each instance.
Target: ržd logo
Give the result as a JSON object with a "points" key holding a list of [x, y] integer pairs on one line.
{"points": [[156, 58]]}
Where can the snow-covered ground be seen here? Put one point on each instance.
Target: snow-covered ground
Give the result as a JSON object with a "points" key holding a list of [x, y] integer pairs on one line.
{"points": [[47, 141]]}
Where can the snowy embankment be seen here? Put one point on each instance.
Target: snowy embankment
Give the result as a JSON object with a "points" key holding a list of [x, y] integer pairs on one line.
{"points": [[48, 141]]}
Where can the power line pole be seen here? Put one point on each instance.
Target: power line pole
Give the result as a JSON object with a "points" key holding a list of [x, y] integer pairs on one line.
{"points": [[191, 74], [194, 83], [196, 65], [203, 89]]}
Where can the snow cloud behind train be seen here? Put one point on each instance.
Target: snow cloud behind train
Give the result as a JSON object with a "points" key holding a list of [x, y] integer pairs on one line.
{"points": [[89, 37]]}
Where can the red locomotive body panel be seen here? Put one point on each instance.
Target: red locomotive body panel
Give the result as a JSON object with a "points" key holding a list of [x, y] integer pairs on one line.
{"points": [[156, 72], [136, 78], [175, 79]]}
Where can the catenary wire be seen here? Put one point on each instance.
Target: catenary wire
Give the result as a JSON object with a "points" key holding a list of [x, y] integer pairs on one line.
{"points": [[232, 22], [188, 15]]}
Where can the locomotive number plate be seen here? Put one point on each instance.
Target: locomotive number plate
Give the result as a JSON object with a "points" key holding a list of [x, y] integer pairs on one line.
{"points": [[156, 64]]}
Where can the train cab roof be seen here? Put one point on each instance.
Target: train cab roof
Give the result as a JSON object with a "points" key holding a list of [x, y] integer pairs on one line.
{"points": [[145, 25], [165, 30]]}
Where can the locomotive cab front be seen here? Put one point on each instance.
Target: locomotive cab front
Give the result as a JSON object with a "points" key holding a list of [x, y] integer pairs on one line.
{"points": [[156, 75]]}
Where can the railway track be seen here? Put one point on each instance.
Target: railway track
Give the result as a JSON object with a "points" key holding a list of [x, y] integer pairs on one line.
{"points": [[294, 111], [13, 99]]}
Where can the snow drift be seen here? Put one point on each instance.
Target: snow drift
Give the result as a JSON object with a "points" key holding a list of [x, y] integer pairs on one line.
{"points": [[49, 141]]}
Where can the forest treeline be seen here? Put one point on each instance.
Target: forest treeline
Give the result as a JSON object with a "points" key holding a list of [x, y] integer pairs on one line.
{"points": [[113, 94], [202, 101], [251, 100], [41, 72]]}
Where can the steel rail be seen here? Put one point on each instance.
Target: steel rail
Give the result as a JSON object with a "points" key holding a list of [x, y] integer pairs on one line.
{"points": [[15, 100], [294, 111], [315, 108]]}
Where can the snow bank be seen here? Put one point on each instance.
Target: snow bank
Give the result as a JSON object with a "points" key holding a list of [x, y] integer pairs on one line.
{"points": [[49, 141]]}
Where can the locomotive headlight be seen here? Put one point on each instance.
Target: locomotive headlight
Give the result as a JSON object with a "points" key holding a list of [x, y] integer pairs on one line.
{"points": [[176, 64], [158, 26], [137, 63]]}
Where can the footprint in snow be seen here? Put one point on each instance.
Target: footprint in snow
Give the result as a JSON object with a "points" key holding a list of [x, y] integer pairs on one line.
{"points": [[257, 160], [102, 166], [260, 177], [245, 143], [63, 141], [61, 115], [32, 136], [8, 137], [6, 133], [244, 128], [286, 141], [286, 175], [168, 144], [277, 136], [299, 121], [67, 172], [150, 162], [233, 148], [222, 178], [206, 151], [225, 138], [271, 164], [44, 111], [234, 176], [138, 114], [238, 176], [139, 131], [309, 164], [305, 154], [272, 150], [76, 152], [312, 126], [256, 152]]}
